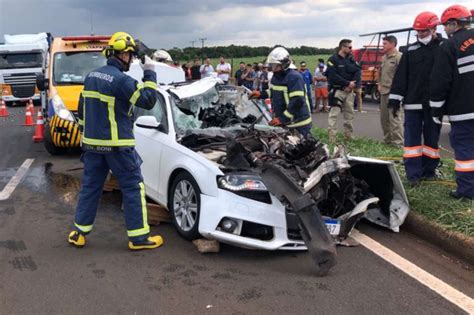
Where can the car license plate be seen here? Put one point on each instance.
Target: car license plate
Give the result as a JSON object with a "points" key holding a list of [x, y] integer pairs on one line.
{"points": [[333, 226]]}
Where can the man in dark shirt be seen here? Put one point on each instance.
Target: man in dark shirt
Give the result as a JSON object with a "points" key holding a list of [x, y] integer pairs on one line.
{"points": [[343, 75], [195, 70], [238, 74], [248, 77]]}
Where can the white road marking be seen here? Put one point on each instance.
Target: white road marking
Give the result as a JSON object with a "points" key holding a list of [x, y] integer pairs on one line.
{"points": [[442, 288], [15, 180]]}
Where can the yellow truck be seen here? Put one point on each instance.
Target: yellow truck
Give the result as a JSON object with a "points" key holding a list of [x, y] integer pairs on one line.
{"points": [[71, 59]]}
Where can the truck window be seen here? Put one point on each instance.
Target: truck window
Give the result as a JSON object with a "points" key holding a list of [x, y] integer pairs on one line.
{"points": [[20, 60], [73, 67]]}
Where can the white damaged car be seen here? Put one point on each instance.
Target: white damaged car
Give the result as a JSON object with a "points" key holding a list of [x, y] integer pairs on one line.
{"points": [[205, 147]]}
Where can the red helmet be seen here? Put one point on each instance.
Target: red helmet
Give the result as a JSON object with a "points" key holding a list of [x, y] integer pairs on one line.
{"points": [[425, 20], [455, 12]]}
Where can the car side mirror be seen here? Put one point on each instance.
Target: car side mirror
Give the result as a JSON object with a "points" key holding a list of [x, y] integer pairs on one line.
{"points": [[41, 82], [148, 122]]}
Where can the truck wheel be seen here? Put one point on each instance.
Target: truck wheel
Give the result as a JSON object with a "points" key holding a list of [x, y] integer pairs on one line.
{"points": [[375, 95], [49, 145]]}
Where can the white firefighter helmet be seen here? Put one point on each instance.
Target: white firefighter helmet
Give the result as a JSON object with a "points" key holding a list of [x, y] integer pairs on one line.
{"points": [[162, 56], [279, 56]]}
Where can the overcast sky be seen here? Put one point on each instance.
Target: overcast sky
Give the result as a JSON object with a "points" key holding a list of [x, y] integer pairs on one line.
{"points": [[175, 23]]}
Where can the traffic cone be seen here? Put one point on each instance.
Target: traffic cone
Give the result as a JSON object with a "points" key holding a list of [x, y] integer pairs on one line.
{"points": [[28, 116], [268, 103], [39, 130], [31, 106], [3, 110]]}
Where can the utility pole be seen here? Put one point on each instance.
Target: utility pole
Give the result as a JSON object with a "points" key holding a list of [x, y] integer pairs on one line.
{"points": [[192, 43], [202, 43]]}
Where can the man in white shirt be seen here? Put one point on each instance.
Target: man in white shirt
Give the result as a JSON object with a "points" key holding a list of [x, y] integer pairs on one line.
{"points": [[206, 69], [223, 70]]}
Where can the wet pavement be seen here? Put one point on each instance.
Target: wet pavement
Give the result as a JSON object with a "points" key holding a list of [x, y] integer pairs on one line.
{"points": [[41, 274]]}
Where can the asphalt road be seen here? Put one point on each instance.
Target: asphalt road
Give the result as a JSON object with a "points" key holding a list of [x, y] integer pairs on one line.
{"points": [[41, 274]]}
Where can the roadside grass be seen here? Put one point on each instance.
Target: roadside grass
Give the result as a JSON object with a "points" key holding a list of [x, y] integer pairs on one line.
{"points": [[430, 199], [311, 61]]}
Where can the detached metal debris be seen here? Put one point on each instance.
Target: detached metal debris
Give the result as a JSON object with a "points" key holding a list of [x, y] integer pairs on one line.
{"points": [[266, 187], [314, 186]]}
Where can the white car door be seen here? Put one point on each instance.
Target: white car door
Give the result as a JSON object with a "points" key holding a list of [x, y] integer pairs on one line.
{"points": [[149, 145]]}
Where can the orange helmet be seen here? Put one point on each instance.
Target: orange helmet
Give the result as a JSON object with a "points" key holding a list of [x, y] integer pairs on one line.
{"points": [[455, 12], [425, 20]]}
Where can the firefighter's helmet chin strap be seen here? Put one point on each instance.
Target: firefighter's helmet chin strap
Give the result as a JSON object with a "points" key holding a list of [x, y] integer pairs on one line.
{"points": [[126, 65]]}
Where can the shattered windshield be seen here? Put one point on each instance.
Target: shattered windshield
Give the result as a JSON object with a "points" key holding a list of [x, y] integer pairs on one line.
{"points": [[220, 106]]}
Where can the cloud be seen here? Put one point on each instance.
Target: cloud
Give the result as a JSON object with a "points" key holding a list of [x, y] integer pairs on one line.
{"points": [[174, 23]]}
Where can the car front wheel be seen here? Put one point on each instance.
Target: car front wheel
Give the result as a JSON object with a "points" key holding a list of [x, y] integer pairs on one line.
{"points": [[185, 205]]}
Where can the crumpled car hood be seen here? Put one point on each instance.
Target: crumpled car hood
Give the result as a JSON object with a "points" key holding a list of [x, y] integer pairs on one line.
{"points": [[342, 186], [195, 88]]}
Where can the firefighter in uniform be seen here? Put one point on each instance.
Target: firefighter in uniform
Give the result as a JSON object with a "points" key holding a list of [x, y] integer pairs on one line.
{"points": [[452, 93], [290, 103], [411, 86], [108, 141], [344, 77]]}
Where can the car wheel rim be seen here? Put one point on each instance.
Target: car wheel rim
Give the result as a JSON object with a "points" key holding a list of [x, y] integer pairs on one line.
{"points": [[185, 205]]}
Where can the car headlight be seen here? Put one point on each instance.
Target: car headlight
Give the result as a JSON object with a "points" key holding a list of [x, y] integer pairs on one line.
{"points": [[60, 109], [241, 182]]}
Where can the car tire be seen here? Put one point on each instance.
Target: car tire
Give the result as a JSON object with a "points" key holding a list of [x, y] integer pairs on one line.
{"points": [[185, 210], [49, 145]]}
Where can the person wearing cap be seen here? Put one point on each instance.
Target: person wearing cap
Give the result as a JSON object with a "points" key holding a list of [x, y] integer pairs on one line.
{"points": [[410, 87], [308, 80], [344, 76], [452, 94], [321, 88], [392, 126]]}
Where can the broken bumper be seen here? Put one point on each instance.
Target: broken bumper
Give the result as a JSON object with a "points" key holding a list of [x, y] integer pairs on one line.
{"points": [[259, 225]]}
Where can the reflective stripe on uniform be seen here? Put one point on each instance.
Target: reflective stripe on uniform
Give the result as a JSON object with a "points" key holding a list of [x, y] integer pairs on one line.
{"points": [[431, 152], [437, 104], [109, 143], [296, 93], [288, 114], [146, 227], [136, 94], [412, 106], [395, 97], [110, 100], [466, 69], [461, 117], [80, 122], [305, 122], [283, 89], [412, 152], [114, 141], [464, 166], [83, 228], [464, 60]]}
